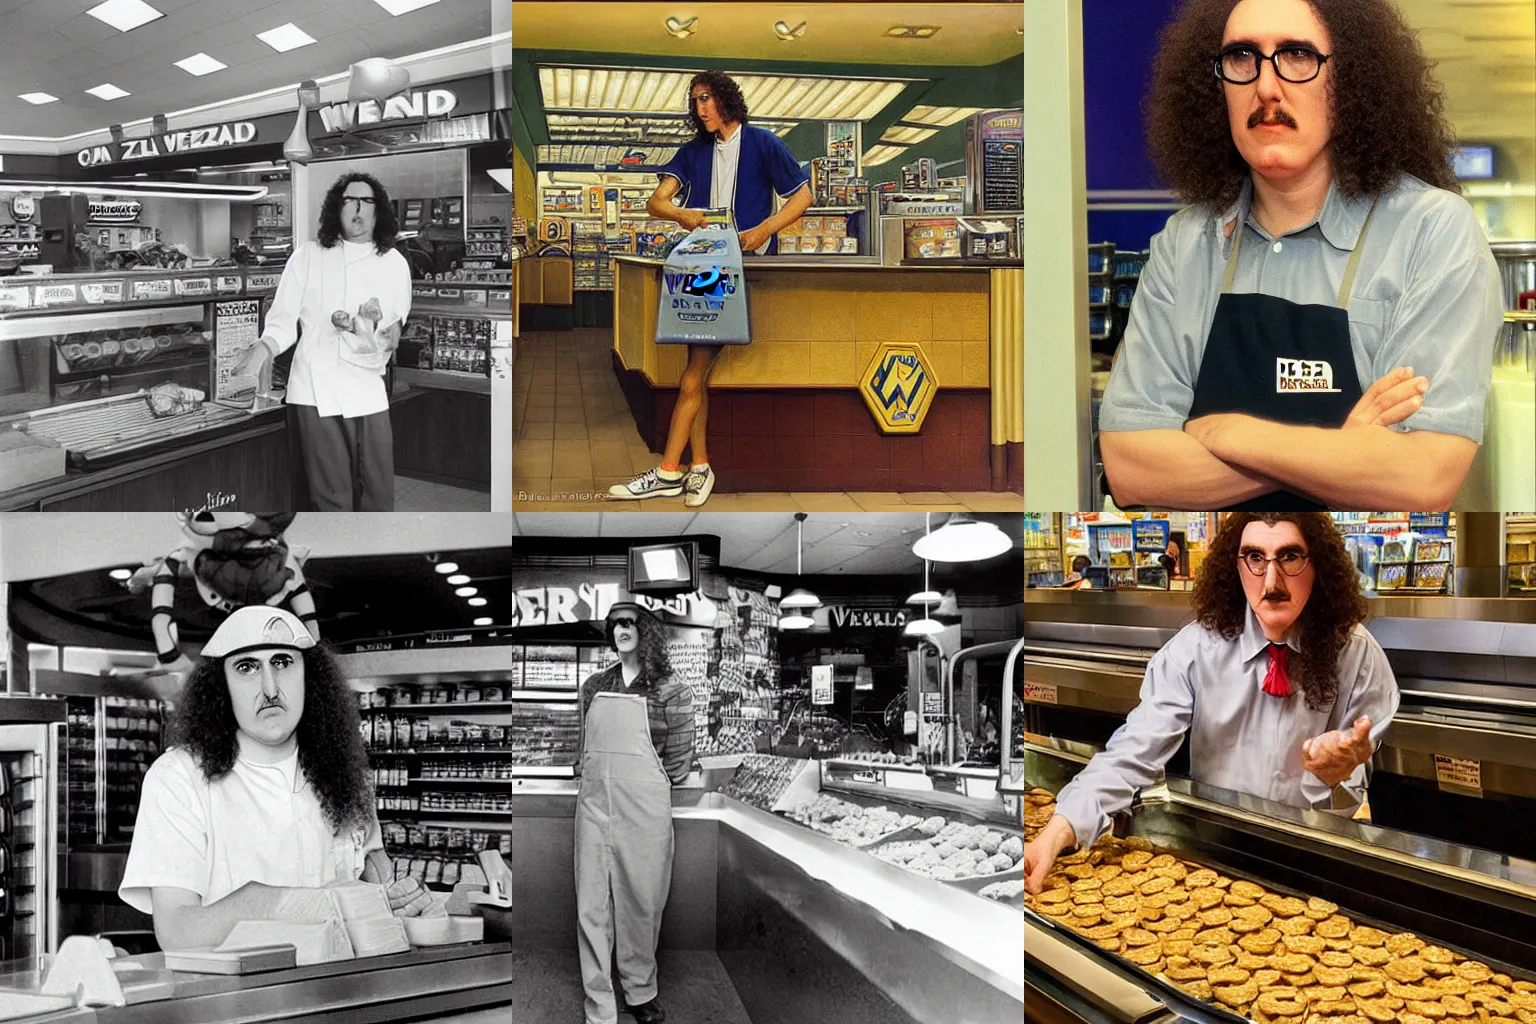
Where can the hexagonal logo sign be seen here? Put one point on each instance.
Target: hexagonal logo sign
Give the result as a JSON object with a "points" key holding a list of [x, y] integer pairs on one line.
{"points": [[898, 386]]}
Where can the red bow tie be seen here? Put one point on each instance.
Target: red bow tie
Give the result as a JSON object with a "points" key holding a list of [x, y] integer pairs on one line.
{"points": [[1276, 682]]}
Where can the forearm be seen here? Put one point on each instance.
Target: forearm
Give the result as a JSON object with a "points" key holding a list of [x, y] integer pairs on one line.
{"points": [[666, 209], [1365, 468], [190, 927], [793, 209], [1170, 469]]}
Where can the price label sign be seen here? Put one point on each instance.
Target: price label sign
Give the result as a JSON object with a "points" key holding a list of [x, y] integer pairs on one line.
{"points": [[16, 298], [821, 684], [933, 703], [162, 289], [228, 284], [57, 295]]}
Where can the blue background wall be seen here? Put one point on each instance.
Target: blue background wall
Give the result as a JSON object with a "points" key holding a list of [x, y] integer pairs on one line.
{"points": [[1120, 39]]}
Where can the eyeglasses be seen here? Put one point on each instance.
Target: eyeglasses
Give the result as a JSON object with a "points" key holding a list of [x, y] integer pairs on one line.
{"points": [[622, 622], [1241, 65], [1289, 562], [360, 201]]}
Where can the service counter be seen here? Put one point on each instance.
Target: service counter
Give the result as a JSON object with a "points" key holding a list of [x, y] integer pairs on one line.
{"points": [[423, 984], [786, 412], [787, 908]]}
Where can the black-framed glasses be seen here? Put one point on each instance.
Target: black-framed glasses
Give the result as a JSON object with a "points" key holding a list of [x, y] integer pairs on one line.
{"points": [[623, 622], [1241, 65], [357, 200], [1289, 562]]}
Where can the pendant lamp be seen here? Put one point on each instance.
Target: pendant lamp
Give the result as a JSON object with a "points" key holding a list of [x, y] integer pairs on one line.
{"points": [[963, 539], [927, 595], [799, 597]]}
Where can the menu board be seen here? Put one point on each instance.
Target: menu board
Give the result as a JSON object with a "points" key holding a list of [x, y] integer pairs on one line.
{"points": [[236, 327], [995, 145]]}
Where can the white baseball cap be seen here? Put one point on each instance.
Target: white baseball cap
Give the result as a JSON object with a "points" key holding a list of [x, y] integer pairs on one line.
{"points": [[258, 626]]}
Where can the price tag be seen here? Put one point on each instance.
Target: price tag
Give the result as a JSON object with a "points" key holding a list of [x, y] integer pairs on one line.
{"points": [[1459, 772], [228, 284], [933, 703], [194, 286], [474, 296], [449, 293], [262, 282], [16, 298], [161, 289], [874, 777], [57, 295], [101, 292], [1040, 693]]}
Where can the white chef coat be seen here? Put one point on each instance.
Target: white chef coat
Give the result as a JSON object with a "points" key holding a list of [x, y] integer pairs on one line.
{"points": [[722, 178], [315, 283], [257, 823]]}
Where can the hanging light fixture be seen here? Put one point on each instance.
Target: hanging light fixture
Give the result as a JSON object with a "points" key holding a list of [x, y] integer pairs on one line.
{"points": [[924, 626], [799, 597], [927, 595], [963, 539]]}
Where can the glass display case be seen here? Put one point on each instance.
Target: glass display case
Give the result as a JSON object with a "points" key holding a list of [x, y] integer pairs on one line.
{"points": [[112, 741]]}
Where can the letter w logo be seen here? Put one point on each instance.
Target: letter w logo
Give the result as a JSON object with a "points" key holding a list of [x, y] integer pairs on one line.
{"points": [[899, 380]]}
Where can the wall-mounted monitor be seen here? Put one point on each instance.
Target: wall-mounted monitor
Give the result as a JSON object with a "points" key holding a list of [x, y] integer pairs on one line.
{"points": [[664, 568]]}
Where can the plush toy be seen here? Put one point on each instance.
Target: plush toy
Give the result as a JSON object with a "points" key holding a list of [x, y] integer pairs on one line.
{"points": [[234, 559]]}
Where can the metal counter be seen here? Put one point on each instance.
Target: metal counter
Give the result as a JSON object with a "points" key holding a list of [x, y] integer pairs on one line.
{"points": [[418, 985], [784, 904], [1477, 902]]}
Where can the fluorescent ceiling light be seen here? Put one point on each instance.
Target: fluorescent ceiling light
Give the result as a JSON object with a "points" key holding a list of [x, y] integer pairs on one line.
{"points": [[486, 620], [477, 602], [121, 574], [200, 64], [125, 15], [108, 91], [883, 154], [285, 37], [38, 97], [447, 567], [399, 7], [467, 591], [459, 579], [796, 622], [963, 539]]}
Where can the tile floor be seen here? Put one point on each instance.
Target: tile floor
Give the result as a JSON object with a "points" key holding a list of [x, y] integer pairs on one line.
{"points": [[693, 987], [573, 436], [412, 495]]}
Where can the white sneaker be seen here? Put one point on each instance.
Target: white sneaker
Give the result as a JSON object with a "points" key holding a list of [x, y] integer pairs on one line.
{"points": [[647, 485], [697, 486]]}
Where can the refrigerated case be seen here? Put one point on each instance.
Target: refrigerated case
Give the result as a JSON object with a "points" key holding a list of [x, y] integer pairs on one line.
{"points": [[546, 710], [31, 757], [112, 742]]}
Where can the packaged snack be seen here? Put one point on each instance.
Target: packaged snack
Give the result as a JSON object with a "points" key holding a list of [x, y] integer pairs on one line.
{"points": [[1394, 551], [1390, 576], [1430, 575], [1429, 550]]}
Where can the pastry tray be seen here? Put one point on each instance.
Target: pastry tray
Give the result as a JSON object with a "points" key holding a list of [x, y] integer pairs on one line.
{"points": [[1186, 1005]]}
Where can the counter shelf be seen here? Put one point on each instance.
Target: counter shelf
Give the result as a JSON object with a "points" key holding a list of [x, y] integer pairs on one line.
{"points": [[1478, 903]]}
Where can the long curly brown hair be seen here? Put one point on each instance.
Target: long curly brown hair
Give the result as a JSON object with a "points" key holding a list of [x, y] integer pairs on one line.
{"points": [[729, 101], [1388, 109], [331, 751], [654, 663], [1332, 611]]}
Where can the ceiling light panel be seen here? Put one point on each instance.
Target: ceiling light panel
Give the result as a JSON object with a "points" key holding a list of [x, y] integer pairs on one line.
{"points": [[108, 91], [399, 7], [125, 15], [881, 154], [38, 98], [285, 37], [566, 87], [200, 64]]}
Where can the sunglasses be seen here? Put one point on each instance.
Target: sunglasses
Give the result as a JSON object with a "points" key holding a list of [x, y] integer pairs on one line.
{"points": [[623, 622]]}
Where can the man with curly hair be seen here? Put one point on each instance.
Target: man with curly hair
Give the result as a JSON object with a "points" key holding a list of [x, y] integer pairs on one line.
{"points": [[1278, 686], [1317, 328], [636, 743], [264, 789], [733, 165], [348, 293]]}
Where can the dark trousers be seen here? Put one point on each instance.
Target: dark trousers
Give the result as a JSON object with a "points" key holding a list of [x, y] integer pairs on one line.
{"points": [[350, 462]]}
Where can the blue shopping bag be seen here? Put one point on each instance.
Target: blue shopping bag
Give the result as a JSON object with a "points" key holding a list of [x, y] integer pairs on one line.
{"points": [[703, 292]]}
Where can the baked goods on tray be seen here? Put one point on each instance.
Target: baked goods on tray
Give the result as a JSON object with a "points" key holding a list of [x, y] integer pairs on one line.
{"points": [[1272, 958]]}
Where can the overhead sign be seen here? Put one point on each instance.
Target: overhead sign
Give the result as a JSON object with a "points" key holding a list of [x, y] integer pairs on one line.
{"points": [[114, 211], [415, 105], [859, 618], [187, 140], [898, 386]]}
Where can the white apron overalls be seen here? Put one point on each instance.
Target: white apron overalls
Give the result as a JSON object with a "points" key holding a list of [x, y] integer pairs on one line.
{"points": [[623, 853]]}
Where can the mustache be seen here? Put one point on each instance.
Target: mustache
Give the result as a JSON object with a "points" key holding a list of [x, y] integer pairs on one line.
{"points": [[1277, 116], [274, 702], [1276, 595]]}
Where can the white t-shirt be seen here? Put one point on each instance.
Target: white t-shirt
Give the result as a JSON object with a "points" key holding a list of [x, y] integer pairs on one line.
{"points": [[316, 282], [722, 178], [258, 823]]}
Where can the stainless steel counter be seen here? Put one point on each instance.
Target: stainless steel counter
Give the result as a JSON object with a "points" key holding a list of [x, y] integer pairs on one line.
{"points": [[419, 985]]}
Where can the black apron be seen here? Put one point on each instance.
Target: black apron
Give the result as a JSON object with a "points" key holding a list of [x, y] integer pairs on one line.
{"points": [[1282, 361]]}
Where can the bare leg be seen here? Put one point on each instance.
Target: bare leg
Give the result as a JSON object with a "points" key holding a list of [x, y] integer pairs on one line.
{"points": [[690, 397], [697, 437]]}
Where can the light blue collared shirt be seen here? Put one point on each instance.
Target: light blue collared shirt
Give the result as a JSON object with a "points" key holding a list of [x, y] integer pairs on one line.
{"points": [[1240, 737], [1427, 295]]}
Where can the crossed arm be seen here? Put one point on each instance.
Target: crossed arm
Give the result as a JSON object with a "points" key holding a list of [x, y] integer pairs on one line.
{"points": [[1219, 460]]}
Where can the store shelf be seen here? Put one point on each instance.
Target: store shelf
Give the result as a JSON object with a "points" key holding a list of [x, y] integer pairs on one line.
{"points": [[463, 813], [455, 751], [428, 780], [456, 706]]}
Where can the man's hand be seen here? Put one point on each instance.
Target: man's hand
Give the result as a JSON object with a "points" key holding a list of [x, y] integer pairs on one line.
{"points": [[1390, 400], [408, 897], [1041, 852], [1333, 756], [689, 218], [752, 239], [254, 362]]}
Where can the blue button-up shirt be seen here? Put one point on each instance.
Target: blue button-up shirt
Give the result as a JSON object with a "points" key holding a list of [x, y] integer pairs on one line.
{"points": [[765, 168], [1427, 295], [1240, 737]]}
